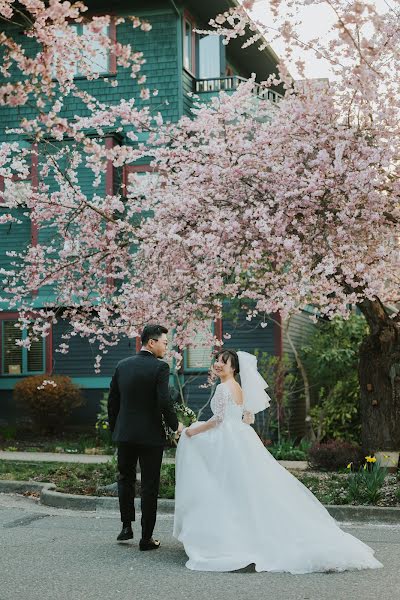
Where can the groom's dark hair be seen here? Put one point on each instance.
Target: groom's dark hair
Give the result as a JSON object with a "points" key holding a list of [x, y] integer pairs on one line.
{"points": [[152, 332]]}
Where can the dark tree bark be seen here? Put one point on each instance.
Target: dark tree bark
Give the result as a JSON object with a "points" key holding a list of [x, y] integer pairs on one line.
{"points": [[379, 375]]}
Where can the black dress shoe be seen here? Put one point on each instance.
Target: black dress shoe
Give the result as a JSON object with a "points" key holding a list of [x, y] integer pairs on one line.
{"points": [[126, 534], [149, 544]]}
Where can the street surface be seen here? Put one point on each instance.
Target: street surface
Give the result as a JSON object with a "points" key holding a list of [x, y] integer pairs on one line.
{"points": [[54, 554]]}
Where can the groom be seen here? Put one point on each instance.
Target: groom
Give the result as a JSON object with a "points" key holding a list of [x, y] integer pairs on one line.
{"points": [[138, 399]]}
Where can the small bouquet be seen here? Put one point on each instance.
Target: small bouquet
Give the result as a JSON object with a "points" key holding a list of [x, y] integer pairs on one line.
{"points": [[185, 415]]}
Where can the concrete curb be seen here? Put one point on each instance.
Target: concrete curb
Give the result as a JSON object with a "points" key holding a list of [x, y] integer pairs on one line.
{"points": [[20, 487], [49, 497], [365, 514]]}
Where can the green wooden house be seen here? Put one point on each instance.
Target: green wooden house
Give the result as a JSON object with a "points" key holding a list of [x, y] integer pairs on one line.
{"points": [[179, 62]]}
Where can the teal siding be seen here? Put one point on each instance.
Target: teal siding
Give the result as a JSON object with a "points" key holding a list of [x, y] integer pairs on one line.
{"points": [[13, 237], [187, 88], [163, 70], [79, 362], [249, 336], [47, 234], [160, 50]]}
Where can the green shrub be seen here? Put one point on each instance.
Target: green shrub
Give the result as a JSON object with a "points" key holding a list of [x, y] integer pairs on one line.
{"points": [[336, 416], [287, 450], [103, 433], [331, 360], [49, 400], [365, 484], [7, 433], [334, 455], [167, 481]]}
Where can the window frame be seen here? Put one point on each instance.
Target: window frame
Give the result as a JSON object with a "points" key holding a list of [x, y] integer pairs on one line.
{"points": [[145, 168], [112, 34], [33, 178], [13, 178], [128, 169], [47, 350], [220, 63], [217, 331], [192, 68]]}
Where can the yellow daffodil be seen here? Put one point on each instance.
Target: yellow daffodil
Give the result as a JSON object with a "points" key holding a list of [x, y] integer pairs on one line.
{"points": [[370, 459], [349, 466], [365, 467]]}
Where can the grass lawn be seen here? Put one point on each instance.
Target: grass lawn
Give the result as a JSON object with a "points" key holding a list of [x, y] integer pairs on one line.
{"points": [[77, 478], [69, 443]]}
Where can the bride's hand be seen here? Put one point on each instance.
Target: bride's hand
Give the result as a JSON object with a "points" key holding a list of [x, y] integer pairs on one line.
{"points": [[248, 417], [189, 432]]}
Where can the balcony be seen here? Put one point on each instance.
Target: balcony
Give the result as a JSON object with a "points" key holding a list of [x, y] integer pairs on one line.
{"points": [[207, 88]]}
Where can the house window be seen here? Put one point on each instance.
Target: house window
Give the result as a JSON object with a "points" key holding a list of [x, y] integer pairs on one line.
{"points": [[199, 356], [15, 189], [189, 44], [136, 179], [17, 360], [209, 56], [98, 58]]}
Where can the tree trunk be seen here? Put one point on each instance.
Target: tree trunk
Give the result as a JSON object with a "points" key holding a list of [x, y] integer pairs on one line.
{"points": [[379, 376]]}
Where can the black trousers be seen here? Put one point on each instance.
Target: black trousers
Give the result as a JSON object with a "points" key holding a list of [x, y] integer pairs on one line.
{"points": [[150, 459]]}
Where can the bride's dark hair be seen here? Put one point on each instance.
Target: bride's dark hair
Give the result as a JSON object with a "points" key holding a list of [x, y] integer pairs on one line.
{"points": [[229, 355]]}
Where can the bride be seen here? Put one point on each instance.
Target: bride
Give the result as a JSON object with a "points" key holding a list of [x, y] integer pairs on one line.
{"points": [[235, 505]]}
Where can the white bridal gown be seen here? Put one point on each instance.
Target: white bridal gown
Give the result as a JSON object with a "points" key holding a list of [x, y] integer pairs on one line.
{"points": [[235, 505]]}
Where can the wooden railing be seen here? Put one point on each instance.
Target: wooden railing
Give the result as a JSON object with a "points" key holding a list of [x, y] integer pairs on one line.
{"points": [[230, 84]]}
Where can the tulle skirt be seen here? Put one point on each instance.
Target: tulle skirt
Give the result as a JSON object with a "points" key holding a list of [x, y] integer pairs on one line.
{"points": [[235, 505]]}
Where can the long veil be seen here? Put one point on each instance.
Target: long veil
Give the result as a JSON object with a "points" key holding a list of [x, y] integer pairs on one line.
{"points": [[255, 398]]}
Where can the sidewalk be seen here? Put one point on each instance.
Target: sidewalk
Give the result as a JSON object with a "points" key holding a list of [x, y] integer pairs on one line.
{"points": [[93, 459], [87, 459]]}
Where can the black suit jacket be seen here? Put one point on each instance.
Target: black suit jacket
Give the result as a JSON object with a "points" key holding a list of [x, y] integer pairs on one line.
{"points": [[138, 398]]}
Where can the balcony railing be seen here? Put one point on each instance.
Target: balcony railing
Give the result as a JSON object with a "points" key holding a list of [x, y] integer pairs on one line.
{"points": [[230, 84]]}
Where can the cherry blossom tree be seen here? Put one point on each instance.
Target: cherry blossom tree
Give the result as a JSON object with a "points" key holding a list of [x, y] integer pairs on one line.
{"points": [[303, 210], [278, 206]]}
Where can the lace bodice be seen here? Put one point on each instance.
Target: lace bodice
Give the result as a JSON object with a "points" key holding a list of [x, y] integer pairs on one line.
{"points": [[223, 405]]}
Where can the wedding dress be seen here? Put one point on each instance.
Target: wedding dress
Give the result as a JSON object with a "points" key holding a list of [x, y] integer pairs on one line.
{"points": [[235, 505]]}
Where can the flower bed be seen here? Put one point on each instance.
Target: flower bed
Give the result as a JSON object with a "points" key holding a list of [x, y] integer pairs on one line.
{"points": [[329, 488]]}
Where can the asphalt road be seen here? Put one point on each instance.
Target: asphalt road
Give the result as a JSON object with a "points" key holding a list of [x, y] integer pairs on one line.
{"points": [[53, 554]]}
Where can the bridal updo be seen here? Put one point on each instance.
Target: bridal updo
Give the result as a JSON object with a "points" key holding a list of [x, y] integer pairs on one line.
{"points": [[231, 357]]}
